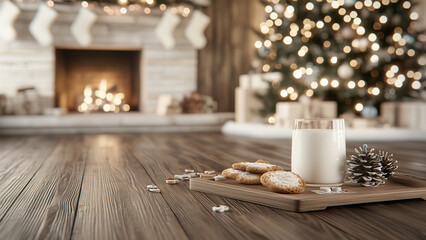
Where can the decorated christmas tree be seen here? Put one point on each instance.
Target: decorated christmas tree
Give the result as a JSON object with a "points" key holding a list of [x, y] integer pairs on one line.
{"points": [[358, 53]]}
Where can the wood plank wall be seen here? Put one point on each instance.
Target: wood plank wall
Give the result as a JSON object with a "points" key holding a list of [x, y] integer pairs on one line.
{"points": [[229, 51]]}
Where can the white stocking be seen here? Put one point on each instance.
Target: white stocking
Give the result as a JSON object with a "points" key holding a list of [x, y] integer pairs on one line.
{"points": [[40, 25], [165, 29], [8, 14], [194, 32], [80, 28]]}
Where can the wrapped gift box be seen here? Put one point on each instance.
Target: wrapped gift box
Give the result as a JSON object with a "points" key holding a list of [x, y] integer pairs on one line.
{"points": [[388, 113], [287, 112], [363, 123], [167, 105], [412, 115], [247, 105], [404, 114]]}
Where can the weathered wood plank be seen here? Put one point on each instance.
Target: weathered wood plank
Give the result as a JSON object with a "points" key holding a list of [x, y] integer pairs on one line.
{"points": [[225, 56], [373, 222], [18, 166], [220, 149], [309, 201], [193, 216], [59, 218], [269, 223], [30, 208], [10, 144], [114, 203]]}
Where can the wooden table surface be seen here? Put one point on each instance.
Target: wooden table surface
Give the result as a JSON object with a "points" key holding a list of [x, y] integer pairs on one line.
{"points": [[94, 187]]}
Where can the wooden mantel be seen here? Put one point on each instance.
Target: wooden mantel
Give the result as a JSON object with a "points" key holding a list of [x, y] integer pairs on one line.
{"points": [[130, 122]]}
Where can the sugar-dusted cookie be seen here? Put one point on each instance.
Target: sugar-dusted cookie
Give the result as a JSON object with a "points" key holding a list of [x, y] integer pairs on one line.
{"points": [[249, 178], [232, 173], [256, 167], [242, 176], [261, 161], [283, 182]]}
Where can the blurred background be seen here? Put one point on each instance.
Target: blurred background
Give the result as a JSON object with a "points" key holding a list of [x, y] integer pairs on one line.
{"points": [[194, 65]]}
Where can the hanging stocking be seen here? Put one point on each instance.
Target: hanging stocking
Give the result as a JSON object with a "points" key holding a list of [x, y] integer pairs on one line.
{"points": [[194, 32], [40, 26], [203, 3], [165, 29], [80, 28], [8, 14]]}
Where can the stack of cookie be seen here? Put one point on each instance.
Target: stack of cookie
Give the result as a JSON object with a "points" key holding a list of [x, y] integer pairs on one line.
{"points": [[270, 175]]}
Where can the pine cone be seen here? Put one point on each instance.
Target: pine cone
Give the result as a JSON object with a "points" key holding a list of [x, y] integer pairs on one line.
{"points": [[365, 167], [389, 165]]}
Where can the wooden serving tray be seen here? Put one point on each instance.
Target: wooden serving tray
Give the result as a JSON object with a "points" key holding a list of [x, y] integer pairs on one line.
{"points": [[399, 188]]}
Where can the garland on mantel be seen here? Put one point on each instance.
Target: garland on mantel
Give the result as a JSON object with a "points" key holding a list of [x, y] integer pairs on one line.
{"points": [[46, 15], [181, 7], [147, 3]]}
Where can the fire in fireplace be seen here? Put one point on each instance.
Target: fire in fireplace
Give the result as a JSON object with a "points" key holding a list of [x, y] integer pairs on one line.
{"points": [[97, 80], [103, 99]]}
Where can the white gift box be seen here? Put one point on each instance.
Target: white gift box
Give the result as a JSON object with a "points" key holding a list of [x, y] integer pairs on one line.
{"points": [[247, 104], [328, 109], [167, 105], [319, 109], [388, 112], [287, 112], [258, 81], [404, 114], [358, 123], [412, 115]]}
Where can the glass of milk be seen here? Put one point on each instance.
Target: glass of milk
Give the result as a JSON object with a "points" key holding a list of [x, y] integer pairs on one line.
{"points": [[318, 152]]}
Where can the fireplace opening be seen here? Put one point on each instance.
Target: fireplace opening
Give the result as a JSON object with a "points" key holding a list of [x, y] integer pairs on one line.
{"points": [[97, 80]]}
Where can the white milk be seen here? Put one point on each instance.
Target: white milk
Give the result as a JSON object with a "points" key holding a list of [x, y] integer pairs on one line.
{"points": [[319, 155]]}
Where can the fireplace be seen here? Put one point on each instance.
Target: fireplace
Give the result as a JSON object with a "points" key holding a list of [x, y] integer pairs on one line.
{"points": [[83, 77], [153, 72]]}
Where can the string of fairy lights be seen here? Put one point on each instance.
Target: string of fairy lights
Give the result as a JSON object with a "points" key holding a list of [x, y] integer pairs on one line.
{"points": [[121, 7], [346, 45]]}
